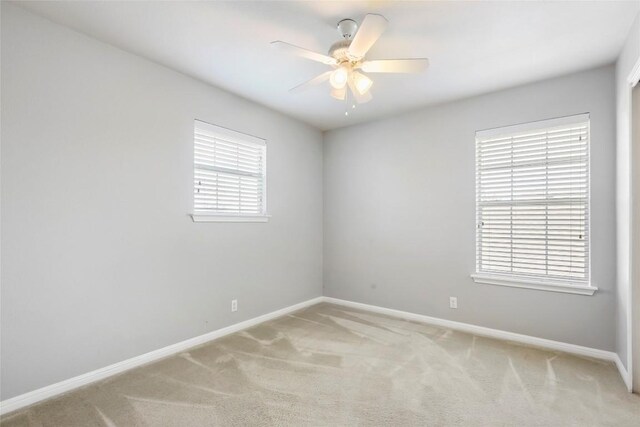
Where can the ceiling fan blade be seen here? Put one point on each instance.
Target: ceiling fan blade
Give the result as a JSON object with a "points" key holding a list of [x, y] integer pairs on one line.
{"points": [[339, 93], [360, 99], [416, 65], [313, 82], [370, 30], [305, 53]]}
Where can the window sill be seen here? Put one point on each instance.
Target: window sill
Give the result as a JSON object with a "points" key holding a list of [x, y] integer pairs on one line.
{"points": [[230, 218], [531, 283]]}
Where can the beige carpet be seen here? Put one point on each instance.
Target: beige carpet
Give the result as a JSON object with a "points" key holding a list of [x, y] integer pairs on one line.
{"points": [[329, 365]]}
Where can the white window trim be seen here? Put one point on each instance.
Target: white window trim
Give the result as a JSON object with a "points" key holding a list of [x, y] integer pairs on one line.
{"points": [[230, 218], [240, 137], [525, 127], [534, 283], [531, 282]]}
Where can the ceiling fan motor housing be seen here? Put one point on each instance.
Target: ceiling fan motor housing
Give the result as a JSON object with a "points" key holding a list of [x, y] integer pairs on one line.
{"points": [[339, 50]]}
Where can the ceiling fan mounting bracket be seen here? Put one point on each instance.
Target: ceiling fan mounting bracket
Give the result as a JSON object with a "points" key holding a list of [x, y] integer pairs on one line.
{"points": [[347, 28]]}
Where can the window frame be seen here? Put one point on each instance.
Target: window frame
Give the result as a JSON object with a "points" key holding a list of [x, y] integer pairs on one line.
{"points": [[552, 284], [230, 136]]}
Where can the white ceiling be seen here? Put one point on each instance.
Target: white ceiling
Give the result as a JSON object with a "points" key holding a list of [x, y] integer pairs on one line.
{"points": [[474, 47]]}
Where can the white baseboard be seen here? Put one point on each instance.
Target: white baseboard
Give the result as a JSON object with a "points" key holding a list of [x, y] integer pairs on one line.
{"points": [[626, 375], [52, 390], [483, 331]]}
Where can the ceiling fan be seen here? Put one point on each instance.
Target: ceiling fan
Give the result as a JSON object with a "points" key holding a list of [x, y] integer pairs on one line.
{"points": [[347, 58]]}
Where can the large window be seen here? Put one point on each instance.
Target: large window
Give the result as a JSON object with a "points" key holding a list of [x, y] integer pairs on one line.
{"points": [[532, 205], [229, 179]]}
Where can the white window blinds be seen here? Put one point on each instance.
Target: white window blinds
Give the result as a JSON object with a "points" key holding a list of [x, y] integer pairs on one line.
{"points": [[229, 172], [532, 195]]}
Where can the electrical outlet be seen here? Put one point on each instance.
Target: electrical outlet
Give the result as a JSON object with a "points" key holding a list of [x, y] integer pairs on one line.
{"points": [[453, 302], [234, 305]]}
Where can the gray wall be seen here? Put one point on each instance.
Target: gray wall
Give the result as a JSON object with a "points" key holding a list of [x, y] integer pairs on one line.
{"points": [[100, 261], [399, 204], [628, 58]]}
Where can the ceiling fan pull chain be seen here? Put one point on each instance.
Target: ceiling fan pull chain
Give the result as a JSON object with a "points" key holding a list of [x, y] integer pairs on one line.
{"points": [[346, 103]]}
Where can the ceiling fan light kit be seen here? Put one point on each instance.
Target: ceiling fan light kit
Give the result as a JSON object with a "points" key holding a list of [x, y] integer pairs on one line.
{"points": [[361, 82], [347, 58], [340, 93], [339, 77]]}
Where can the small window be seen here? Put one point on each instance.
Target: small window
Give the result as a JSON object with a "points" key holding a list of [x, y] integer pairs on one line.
{"points": [[229, 175], [532, 205]]}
